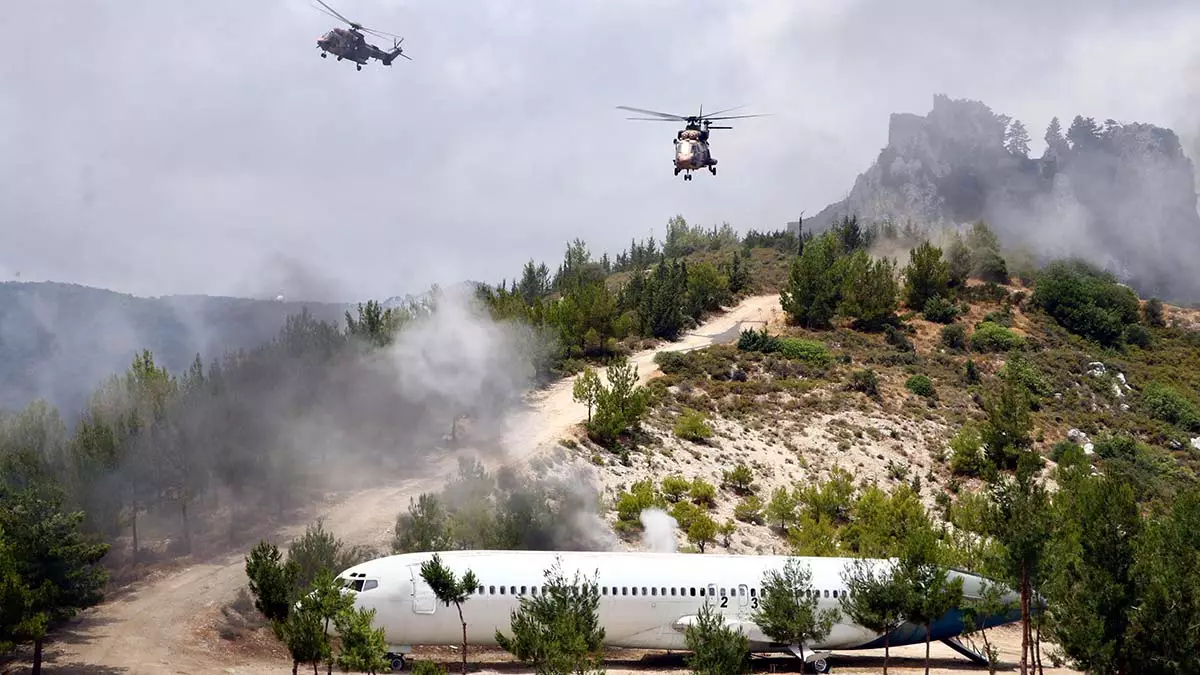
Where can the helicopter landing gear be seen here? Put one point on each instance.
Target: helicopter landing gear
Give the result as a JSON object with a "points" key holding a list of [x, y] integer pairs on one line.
{"points": [[358, 66], [687, 176], [324, 55], [712, 170], [339, 58]]}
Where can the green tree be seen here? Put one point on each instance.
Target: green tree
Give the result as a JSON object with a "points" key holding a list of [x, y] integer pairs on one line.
{"points": [[740, 479], [782, 507], [424, 528], [675, 487], [272, 581], [869, 290], [929, 590], [875, 599], [317, 551], [304, 637], [990, 602], [1152, 313], [702, 530], [926, 277], [54, 568], [812, 292], [362, 647], [958, 261], [1006, 433], [450, 590], [788, 611], [586, 390], [1092, 584], [619, 406], [716, 648], [558, 630], [1166, 626], [328, 600]]}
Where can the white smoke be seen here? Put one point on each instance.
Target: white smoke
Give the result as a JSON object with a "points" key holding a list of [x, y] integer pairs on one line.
{"points": [[660, 527]]}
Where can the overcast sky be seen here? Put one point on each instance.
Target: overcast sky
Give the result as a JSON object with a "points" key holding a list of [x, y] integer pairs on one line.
{"points": [[164, 146]]}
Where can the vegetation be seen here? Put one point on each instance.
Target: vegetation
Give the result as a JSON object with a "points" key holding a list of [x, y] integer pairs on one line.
{"points": [[788, 612], [716, 649], [450, 590], [558, 630]]}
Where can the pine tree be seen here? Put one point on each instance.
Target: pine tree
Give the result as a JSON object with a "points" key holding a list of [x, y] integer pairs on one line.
{"points": [[875, 599], [557, 630], [788, 612], [450, 590], [1016, 141]]}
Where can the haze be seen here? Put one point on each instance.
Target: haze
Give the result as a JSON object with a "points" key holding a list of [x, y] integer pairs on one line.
{"points": [[161, 146]]}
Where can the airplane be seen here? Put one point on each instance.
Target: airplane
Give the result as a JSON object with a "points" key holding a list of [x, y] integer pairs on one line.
{"points": [[647, 600]]}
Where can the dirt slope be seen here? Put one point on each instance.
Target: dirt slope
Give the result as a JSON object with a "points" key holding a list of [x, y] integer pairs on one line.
{"points": [[165, 624]]}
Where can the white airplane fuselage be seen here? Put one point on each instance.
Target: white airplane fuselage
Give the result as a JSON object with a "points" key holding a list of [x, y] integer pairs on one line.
{"points": [[646, 599]]}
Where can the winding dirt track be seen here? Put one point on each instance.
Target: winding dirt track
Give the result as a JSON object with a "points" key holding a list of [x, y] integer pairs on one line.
{"points": [[161, 625]]}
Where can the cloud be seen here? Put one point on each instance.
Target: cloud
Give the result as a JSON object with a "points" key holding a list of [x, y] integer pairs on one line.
{"points": [[185, 147]]}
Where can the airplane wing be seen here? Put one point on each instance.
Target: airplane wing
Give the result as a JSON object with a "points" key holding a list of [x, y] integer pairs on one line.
{"points": [[749, 628]]}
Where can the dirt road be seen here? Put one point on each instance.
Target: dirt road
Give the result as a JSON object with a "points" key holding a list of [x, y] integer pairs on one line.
{"points": [[164, 625]]}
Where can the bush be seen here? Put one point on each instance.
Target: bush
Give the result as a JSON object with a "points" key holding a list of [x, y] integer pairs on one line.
{"points": [[805, 350], [920, 385], [714, 646], [926, 277], [897, 339], [675, 487], [427, 668], [757, 341], [991, 337], [1137, 334], [989, 266], [1167, 404], [940, 310], [749, 510], [954, 336], [740, 479], [865, 381], [703, 493], [1152, 313], [1086, 301], [966, 458], [1065, 450], [691, 426]]}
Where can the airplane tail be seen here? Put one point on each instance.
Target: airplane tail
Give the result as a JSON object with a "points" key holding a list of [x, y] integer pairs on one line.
{"points": [[397, 50]]}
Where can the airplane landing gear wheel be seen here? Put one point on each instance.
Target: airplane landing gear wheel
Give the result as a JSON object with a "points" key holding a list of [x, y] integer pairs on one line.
{"points": [[396, 662], [820, 666]]}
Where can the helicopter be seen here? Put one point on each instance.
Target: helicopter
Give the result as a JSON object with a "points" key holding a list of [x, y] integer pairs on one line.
{"points": [[692, 151], [351, 44]]}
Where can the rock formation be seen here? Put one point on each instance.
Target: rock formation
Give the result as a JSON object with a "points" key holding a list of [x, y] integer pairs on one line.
{"points": [[1120, 195]]}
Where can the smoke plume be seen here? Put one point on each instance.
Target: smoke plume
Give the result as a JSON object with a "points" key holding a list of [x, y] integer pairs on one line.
{"points": [[659, 532]]}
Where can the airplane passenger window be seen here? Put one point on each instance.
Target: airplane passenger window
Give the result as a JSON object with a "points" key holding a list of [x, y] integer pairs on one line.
{"points": [[742, 591], [491, 590], [672, 590], [664, 591], [752, 590], [522, 590], [653, 591], [624, 590], [835, 593], [501, 590], [827, 592], [370, 583], [481, 590], [604, 590], [694, 592], [702, 591], [722, 591], [512, 590], [643, 590]]}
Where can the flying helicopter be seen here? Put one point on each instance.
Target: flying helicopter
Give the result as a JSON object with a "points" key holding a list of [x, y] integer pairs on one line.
{"points": [[692, 151], [351, 44]]}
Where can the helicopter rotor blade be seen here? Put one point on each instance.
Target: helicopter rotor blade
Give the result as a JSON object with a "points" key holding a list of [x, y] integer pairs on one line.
{"points": [[665, 116], [652, 119], [336, 14], [720, 112], [379, 33], [737, 117]]}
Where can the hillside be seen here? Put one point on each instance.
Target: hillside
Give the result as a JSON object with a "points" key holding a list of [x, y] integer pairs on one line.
{"points": [[58, 341], [1121, 195]]}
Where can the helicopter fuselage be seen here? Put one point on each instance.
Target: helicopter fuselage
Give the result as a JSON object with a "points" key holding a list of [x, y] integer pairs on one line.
{"points": [[692, 153], [351, 45]]}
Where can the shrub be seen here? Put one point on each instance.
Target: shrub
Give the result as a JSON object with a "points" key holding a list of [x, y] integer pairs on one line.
{"points": [[703, 493], [675, 487], [805, 350], [966, 458], [740, 479], [1168, 405], [1152, 313], [749, 510], [1086, 301], [1137, 334], [972, 372], [716, 647], [897, 339], [940, 310], [990, 266], [991, 337], [954, 336], [427, 668], [865, 381], [920, 385], [691, 426], [1065, 450], [757, 341]]}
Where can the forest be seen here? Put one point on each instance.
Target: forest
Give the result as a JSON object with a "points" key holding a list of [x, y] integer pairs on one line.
{"points": [[161, 465]]}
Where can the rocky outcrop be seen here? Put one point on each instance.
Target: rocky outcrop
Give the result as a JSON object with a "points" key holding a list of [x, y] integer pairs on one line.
{"points": [[1120, 195]]}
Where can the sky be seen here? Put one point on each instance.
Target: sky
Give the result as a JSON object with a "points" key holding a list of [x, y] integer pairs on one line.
{"points": [[161, 146]]}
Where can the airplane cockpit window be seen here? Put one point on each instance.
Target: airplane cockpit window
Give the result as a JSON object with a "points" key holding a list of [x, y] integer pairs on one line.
{"points": [[369, 584]]}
